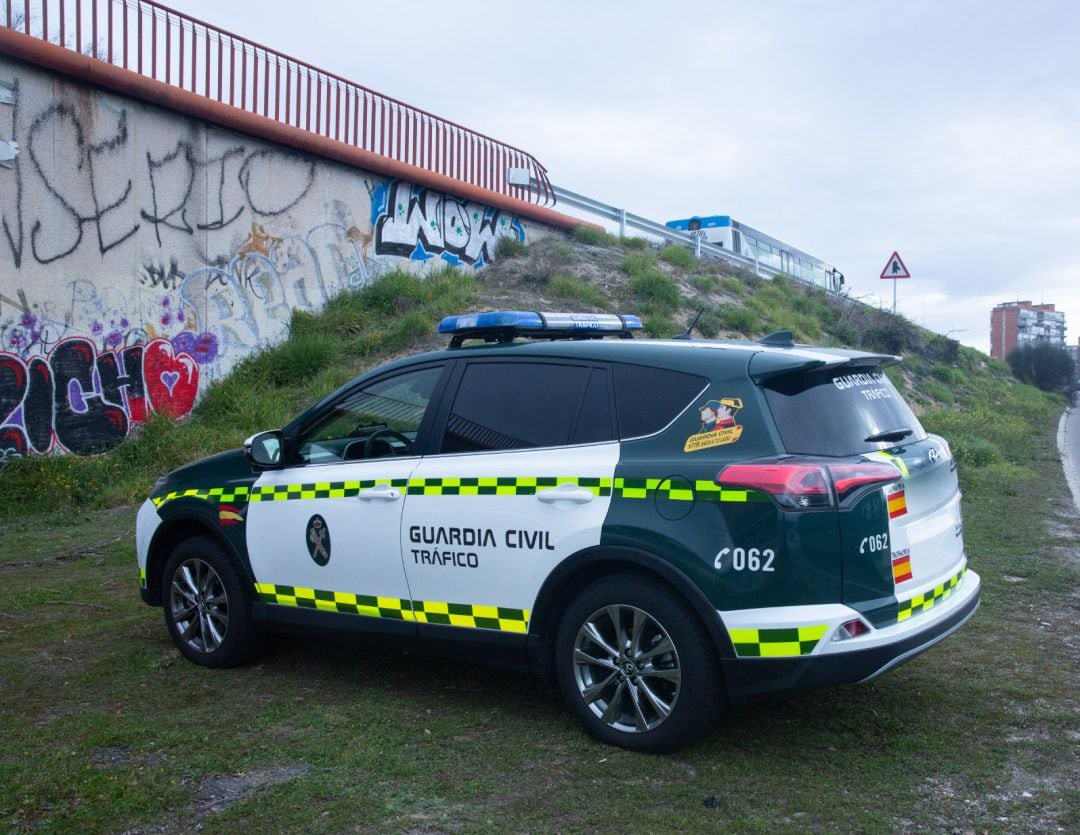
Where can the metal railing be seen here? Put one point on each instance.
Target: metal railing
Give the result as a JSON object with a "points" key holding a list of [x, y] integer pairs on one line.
{"points": [[157, 42], [702, 249], [626, 220]]}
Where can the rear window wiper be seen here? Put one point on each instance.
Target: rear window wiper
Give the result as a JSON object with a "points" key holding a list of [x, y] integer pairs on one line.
{"points": [[889, 435]]}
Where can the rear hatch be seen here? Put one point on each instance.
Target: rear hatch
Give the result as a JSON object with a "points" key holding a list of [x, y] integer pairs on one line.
{"points": [[900, 545]]}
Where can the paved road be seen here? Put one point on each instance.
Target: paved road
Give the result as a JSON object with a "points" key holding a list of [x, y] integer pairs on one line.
{"points": [[1069, 446]]}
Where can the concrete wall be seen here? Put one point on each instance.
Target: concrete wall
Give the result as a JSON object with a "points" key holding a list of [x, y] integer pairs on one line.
{"points": [[143, 253]]}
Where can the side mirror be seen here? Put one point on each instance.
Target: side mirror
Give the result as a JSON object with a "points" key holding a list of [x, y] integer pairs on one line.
{"points": [[263, 450]]}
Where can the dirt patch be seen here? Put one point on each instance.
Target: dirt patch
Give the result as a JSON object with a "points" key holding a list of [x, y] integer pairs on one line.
{"points": [[217, 793]]}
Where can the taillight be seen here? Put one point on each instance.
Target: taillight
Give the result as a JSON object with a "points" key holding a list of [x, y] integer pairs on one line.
{"points": [[798, 486], [851, 477], [804, 485]]}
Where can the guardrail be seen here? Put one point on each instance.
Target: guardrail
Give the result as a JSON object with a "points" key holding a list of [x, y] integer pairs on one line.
{"points": [[626, 219], [160, 43]]}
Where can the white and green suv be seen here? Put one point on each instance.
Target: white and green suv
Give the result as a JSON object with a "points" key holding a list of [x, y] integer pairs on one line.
{"points": [[661, 526]]}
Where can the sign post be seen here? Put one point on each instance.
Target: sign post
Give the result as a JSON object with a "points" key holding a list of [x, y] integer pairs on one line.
{"points": [[894, 269]]}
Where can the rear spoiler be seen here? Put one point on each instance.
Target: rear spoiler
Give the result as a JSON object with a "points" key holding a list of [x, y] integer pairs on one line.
{"points": [[765, 365]]}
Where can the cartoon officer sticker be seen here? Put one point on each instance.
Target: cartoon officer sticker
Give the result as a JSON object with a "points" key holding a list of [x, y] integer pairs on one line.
{"points": [[718, 425]]}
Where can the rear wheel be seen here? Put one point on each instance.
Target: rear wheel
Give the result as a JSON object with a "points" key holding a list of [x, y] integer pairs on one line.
{"points": [[208, 605], [636, 666]]}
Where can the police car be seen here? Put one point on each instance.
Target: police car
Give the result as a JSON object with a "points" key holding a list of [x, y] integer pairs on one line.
{"points": [[662, 527]]}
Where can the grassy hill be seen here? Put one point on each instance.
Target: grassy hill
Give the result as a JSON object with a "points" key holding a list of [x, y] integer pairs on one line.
{"points": [[959, 392], [106, 728]]}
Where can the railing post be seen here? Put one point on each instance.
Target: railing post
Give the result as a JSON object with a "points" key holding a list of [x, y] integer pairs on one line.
{"points": [[622, 223]]}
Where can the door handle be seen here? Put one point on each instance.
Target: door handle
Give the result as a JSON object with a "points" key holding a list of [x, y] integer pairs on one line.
{"points": [[566, 493], [380, 493]]}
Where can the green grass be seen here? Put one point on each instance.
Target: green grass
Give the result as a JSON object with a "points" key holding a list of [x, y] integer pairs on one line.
{"points": [[576, 290], [593, 236], [677, 255], [706, 283], [509, 246], [322, 736]]}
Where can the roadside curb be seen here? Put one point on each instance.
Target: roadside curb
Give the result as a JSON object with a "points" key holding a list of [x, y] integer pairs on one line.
{"points": [[1067, 464]]}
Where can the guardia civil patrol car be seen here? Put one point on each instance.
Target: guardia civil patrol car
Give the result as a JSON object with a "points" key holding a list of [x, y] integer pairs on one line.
{"points": [[662, 527]]}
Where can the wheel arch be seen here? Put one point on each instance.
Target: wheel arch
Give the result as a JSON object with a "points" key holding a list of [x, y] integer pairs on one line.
{"points": [[587, 566], [170, 533]]}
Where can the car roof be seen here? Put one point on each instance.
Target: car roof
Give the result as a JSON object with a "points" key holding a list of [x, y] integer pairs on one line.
{"points": [[710, 358]]}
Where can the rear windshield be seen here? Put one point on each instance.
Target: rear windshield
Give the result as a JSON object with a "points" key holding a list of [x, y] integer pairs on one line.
{"points": [[833, 412]]}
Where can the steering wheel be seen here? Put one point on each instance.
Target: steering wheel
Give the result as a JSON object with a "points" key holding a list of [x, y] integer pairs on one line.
{"points": [[381, 435]]}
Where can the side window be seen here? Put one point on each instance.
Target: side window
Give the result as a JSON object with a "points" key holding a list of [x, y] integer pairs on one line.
{"points": [[523, 405], [650, 398], [380, 419]]}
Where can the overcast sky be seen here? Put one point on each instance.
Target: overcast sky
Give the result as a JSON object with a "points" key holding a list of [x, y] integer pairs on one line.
{"points": [[949, 131]]}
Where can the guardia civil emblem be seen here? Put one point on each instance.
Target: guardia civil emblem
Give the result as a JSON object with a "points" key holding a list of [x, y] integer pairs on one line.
{"points": [[318, 540]]}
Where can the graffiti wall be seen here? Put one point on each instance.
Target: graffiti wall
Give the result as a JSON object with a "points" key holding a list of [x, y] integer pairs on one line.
{"points": [[144, 253]]}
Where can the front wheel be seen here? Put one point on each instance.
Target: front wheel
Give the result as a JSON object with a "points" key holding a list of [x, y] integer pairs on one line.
{"points": [[636, 666], [208, 605]]}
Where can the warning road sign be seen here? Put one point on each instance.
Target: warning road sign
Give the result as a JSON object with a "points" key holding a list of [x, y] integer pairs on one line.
{"points": [[895, 268]]}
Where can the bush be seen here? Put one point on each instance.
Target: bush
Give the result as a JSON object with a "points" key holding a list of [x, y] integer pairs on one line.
{"points": [[656, 288], [592, 236], [733, 286], [740, 319], [1044, 365], [634, 243], [508, 246], [705, 283], [635, 263], [709, 324], [678, 256], [576, 290], [942, 349]]}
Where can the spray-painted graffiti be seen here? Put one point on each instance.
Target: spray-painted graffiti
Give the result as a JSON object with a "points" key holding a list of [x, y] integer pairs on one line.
{"points": [[144, 254], [81, 400], [179, 205], [419, 223], [74, 162]]}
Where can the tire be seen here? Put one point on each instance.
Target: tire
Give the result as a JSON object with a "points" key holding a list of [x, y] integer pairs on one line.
{"points": [[207, 605], [650, 683]]}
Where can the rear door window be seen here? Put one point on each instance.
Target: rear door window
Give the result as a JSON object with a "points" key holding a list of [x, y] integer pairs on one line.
{"points": [[521, 405], [835, 411], [650, 398]]}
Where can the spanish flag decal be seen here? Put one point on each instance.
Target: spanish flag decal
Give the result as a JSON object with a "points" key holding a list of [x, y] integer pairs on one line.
{"points": [[901, 567], [897, 503], [228, 515]]}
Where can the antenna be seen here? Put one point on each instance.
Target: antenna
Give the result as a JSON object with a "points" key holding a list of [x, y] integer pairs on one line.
{"points": [[690, 327]]}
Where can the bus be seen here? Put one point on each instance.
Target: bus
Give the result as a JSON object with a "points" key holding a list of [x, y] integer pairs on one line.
{"points": [[769, 254]]}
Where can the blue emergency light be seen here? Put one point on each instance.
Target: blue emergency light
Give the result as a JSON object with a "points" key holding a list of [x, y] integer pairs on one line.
{"points": [[506, 325]]}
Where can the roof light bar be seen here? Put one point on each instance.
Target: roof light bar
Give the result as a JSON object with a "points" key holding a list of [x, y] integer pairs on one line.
{"points": [[505, 325]]}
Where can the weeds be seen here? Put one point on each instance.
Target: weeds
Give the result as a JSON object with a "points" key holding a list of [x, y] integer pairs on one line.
{"points": [[593, 236], [678, 256], [576, 290]]}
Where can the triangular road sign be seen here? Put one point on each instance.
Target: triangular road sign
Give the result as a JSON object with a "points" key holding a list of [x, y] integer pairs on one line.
{"points": [[895, 268]]}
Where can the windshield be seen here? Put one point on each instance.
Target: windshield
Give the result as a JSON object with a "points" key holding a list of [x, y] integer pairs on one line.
{"points": [[835, 411]]}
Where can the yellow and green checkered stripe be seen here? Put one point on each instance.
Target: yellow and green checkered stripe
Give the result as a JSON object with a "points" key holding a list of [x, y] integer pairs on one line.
{"points": [[142, 578], [468, 615], [622, 488], [648, 488], [320, 489], [502, 486], [927, 600], [776, 643], [226, 495]]}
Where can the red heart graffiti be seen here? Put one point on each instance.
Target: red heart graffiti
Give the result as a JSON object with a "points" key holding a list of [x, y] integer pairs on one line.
{"points": [[172, 381]]}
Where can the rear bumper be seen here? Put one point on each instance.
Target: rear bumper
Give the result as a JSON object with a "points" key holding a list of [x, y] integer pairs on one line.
{"points": [[855, 660]]}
